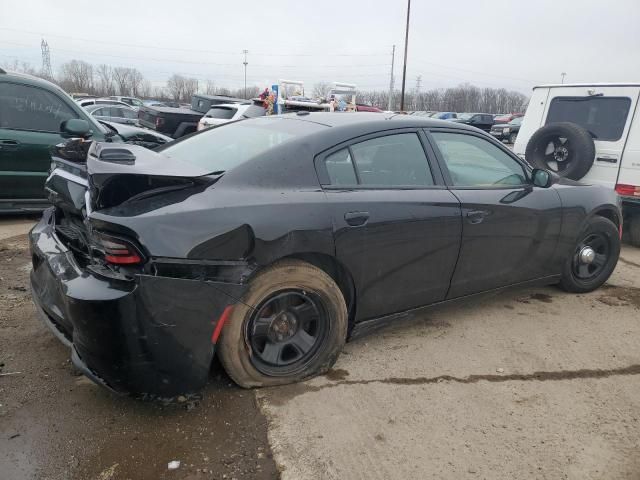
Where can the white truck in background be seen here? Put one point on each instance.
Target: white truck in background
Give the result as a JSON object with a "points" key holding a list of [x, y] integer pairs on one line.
{"points": [[590, 133]]}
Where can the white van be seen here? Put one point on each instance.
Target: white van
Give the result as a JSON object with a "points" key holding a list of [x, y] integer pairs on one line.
{"points": [[590, 133]]}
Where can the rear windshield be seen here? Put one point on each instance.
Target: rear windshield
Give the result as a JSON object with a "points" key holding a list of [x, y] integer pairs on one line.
{"points": [[603, 117], [225, 113], [227, 146], [254, 111]]}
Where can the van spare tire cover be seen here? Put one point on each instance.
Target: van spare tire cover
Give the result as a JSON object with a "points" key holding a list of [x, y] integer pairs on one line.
{"points": [[563, 147]]}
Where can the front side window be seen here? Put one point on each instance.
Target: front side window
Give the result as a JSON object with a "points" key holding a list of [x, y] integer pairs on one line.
{"points": [[23, 107], [603, 117], [475, 162]]}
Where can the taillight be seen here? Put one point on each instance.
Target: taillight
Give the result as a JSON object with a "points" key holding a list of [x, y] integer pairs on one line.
{"points": [[118, 251], [159, 122], [628, 190]]}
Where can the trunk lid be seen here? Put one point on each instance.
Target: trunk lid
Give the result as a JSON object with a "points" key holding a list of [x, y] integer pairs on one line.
{"points": [[109, 175]]}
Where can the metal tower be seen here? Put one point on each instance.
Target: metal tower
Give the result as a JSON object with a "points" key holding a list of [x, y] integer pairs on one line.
{"points": [[46, 60]]}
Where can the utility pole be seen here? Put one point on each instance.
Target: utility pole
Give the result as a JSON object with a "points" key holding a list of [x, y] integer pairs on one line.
{"points": [[46, 60], [563, 74], [393, 57], [406, 46], [245, 63]]}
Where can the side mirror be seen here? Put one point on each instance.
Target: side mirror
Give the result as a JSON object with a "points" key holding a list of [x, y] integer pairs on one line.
{"points": [[541, 178], [75, 127]]}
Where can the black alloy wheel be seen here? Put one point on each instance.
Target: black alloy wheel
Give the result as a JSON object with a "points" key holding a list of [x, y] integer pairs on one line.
{"points": [[591, 256], [286, 331]]}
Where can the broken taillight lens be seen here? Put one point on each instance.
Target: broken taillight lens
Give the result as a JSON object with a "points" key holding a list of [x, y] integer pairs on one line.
{"points": [[118, 251], [628, 190]]}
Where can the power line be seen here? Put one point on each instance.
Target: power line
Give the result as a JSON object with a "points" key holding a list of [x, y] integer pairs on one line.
{"points": [[193, 50]]}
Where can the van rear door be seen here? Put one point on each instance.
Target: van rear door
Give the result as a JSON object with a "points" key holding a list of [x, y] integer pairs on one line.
{"points": [[606, 113]]}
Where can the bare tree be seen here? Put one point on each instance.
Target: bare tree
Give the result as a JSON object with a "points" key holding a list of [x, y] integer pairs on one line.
{"points": [[321, 89], [105, 84], [77, 76]]}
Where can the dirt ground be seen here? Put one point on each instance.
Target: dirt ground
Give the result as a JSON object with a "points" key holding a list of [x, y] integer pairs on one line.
{"points": [[58, 425], [524, 384]]}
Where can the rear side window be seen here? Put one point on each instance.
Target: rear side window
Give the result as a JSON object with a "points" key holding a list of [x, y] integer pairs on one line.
{"points": [[603, 117], [340, 168], [225, 113], [391, 161], [30, 108]]}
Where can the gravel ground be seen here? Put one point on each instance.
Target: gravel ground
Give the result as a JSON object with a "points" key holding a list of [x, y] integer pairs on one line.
{"points": [[524, 384]]}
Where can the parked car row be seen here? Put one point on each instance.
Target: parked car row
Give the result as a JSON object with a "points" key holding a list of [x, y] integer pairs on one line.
{"points": [[483, 121]]}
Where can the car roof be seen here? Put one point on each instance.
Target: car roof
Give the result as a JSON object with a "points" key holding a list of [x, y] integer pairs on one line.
{"points": [[372, 119], [596, 84], [28, 79]]}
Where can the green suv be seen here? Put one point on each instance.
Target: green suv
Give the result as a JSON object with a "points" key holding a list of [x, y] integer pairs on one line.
{"points": [[34, 116]]}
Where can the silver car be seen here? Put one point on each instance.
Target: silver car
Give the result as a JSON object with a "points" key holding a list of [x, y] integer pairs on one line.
{"points": [[113, 113]]}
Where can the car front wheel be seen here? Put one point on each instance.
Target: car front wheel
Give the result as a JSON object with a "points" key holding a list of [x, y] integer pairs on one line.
{"points": [[594, 257], [290, 325]]}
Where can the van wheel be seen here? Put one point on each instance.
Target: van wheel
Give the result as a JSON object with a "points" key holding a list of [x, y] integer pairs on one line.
{"points": [[296, 329], [564, 148], [594, 257]]}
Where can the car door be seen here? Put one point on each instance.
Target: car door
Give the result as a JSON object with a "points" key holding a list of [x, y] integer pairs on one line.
{"points": [[396, 226], [30, 119], [510, 227]]}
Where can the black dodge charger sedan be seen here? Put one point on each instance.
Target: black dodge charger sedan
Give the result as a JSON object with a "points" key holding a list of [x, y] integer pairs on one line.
{"points": [[271, 241]]}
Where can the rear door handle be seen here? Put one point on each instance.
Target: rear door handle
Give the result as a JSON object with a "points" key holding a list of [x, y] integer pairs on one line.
{"points": [[356, 219], [476, 216]]}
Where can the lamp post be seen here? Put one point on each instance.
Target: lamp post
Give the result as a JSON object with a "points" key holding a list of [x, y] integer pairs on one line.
{"points": [[404, 66], [245, 63]]}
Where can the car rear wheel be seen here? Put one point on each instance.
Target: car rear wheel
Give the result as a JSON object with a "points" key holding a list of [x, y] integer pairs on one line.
{"points": [[594, 257], [296, 329]]}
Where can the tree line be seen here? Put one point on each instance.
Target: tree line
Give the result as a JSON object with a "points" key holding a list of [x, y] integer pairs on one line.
{"points": [[77, 76]]}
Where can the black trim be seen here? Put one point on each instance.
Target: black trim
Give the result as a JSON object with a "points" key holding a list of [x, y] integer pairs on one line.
{"points": [[369, 326]]}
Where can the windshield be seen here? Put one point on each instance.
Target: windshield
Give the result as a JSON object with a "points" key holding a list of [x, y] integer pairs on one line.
{"points": [[516, 121], [465, 116], [225, 147]]}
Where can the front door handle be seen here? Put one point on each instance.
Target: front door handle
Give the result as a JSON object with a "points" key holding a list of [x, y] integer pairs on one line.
{"points": [[476, 216], [356, 219]]}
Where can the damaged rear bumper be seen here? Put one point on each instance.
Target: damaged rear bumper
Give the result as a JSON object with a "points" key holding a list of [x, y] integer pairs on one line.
{"points": [[148, 336]]}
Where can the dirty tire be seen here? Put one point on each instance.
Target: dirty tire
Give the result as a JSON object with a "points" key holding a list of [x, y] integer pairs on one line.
{"points": [[581, 150], [609, 234], [234, 348], [634, 230]]}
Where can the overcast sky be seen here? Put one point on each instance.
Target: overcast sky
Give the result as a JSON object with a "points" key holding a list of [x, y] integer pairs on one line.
{"points": [[500, 43]]}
